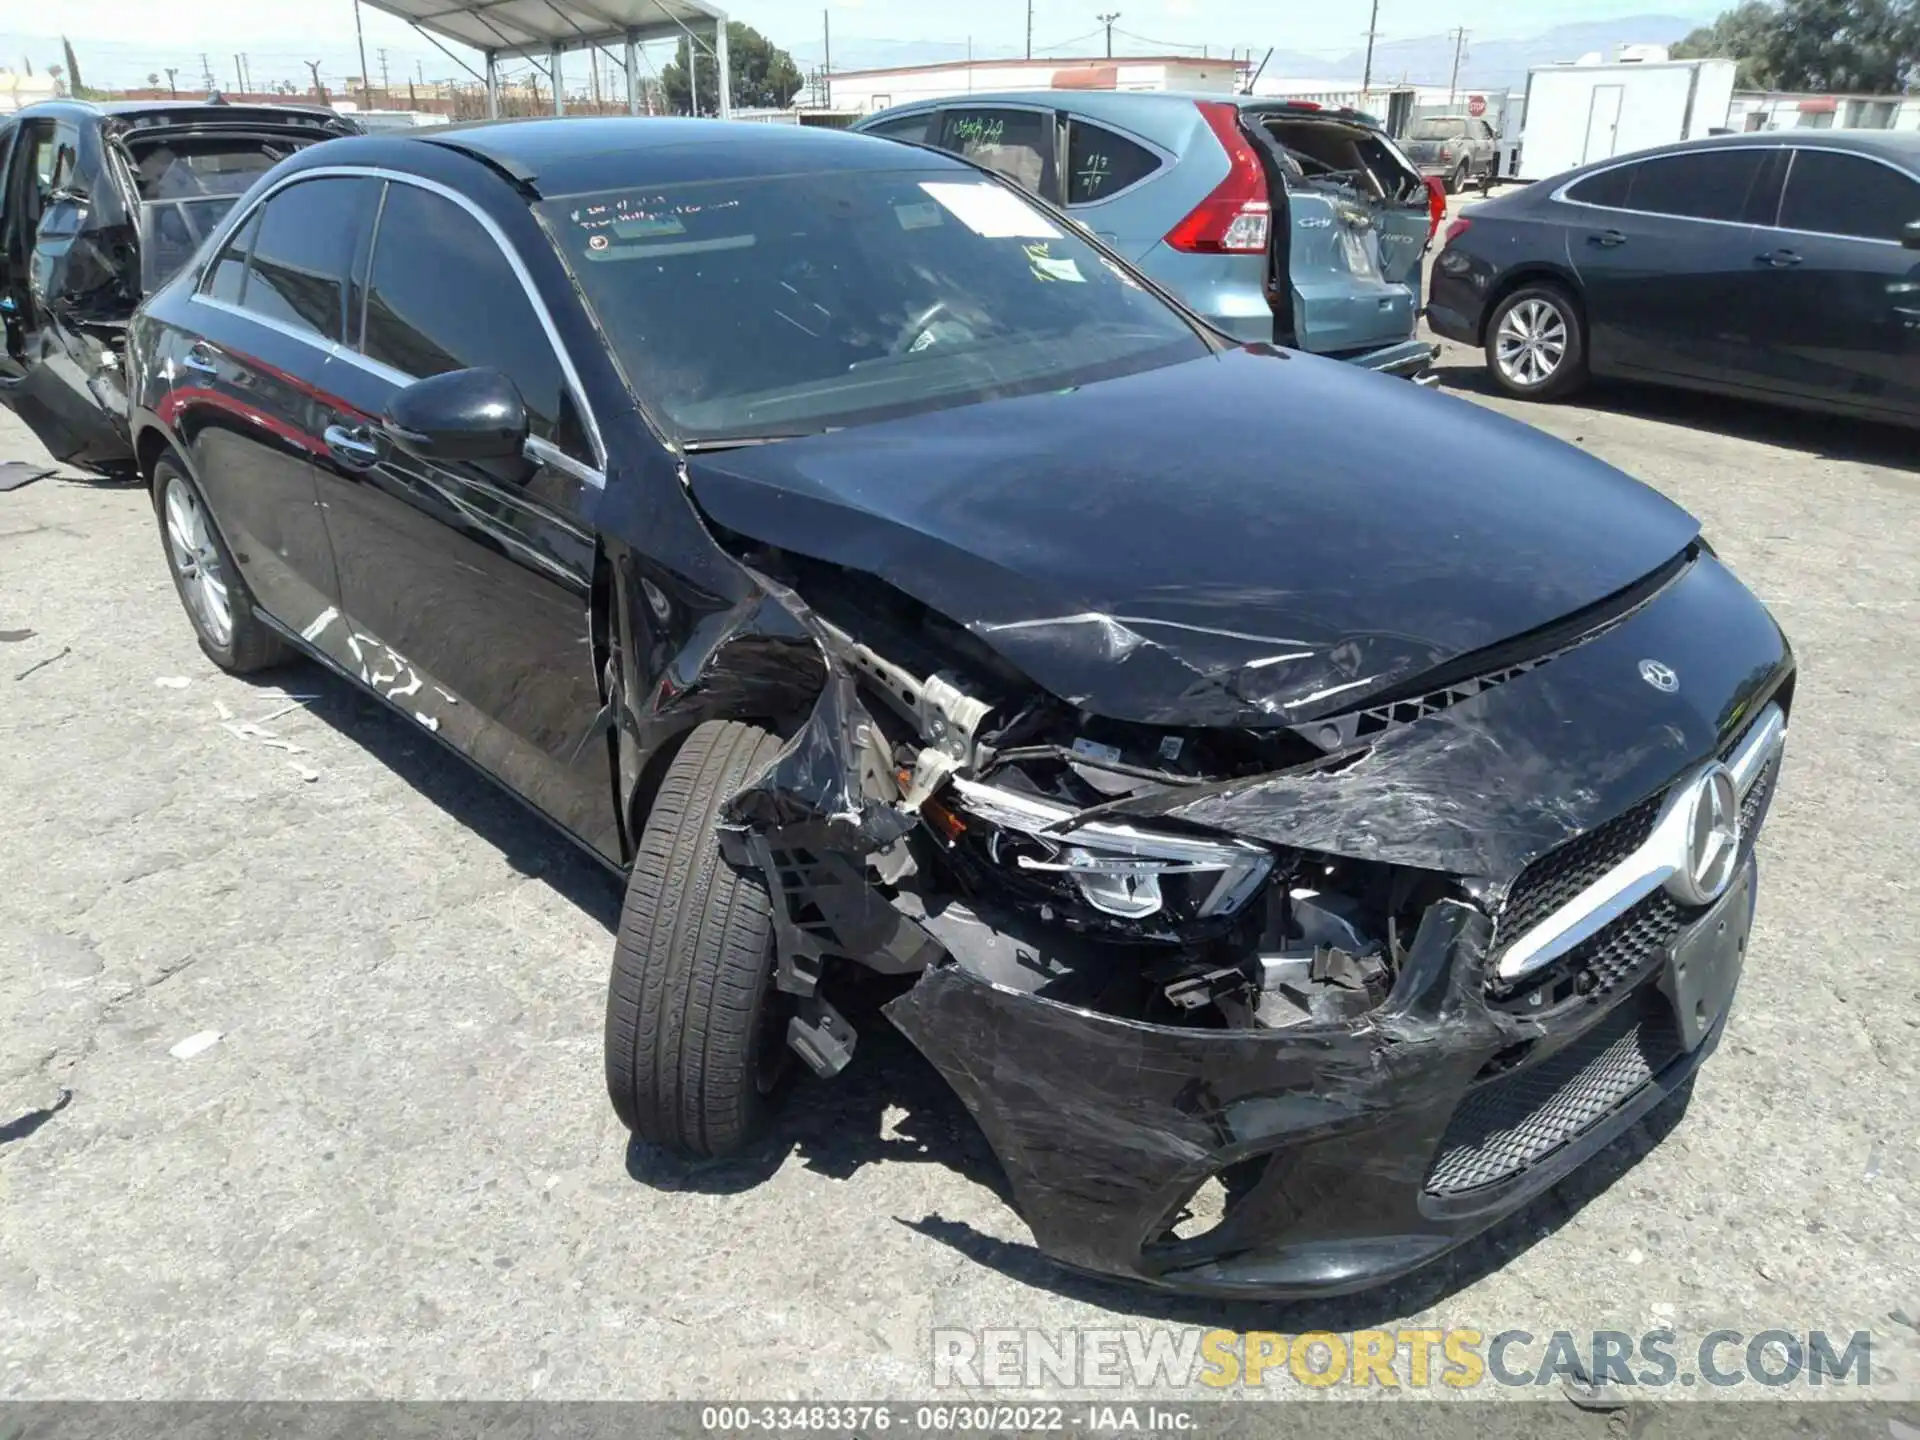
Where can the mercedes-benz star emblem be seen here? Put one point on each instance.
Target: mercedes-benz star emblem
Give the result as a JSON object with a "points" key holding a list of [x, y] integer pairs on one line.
{"points": [[1659, 676], [1713, 838]]}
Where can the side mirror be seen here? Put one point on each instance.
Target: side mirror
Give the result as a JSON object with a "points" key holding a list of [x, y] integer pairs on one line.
{"points": [[461, 415], [1910, 237]]}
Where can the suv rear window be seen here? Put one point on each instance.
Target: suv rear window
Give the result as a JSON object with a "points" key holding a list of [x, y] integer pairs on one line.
{"points": [[1101, 163]]}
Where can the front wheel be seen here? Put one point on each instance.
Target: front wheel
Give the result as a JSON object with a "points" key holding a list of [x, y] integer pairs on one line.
{"points": [[1536, 349], [696, 1032], [216, 598]]}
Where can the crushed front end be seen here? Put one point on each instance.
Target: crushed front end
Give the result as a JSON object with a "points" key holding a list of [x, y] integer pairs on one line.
{"points": [[1290, 1009]]}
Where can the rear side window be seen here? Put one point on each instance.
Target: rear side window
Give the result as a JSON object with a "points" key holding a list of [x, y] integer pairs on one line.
{"points": [[1835, 194], [1101, 163], [227, 275], [1704, 185], [441, 296], [303, 253], [1608, 188], [1012, 142], [907, 127]]}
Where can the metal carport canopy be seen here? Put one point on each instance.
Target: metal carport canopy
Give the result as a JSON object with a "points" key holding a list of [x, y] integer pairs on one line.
{"points": [[528, 28]]}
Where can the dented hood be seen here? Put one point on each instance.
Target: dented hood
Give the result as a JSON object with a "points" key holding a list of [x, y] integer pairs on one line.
{"points": [[1252, 538]]}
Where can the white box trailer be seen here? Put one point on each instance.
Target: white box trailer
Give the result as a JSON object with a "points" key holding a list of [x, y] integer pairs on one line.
{"points": [[1576, 114]]}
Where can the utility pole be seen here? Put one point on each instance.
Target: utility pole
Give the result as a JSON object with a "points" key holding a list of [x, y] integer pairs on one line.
{"points": [[386, 86], [1373, 29], [239, 77], [1107, 20], [1453, 84], [206, 73], [318, 89], [366, 85], [172, 89], [1029, 29]]}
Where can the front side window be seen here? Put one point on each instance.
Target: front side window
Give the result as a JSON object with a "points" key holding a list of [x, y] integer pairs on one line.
{"points": [[793, 304], [1831, 193], [1101, 163], [441, 296], [1013, 143], [303, 252]]}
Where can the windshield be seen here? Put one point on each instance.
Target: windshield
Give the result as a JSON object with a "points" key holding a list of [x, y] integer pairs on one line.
{"points": [[1438, 129], [743, 309]]}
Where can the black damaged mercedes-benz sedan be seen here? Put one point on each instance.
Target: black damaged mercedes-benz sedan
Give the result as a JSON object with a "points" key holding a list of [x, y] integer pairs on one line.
{"points": [[1302, 816]]}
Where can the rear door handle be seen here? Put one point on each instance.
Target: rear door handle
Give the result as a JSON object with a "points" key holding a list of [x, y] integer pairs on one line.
{"points": [[1778, 259], [199, 357], [353, 448], [1607, 239]]}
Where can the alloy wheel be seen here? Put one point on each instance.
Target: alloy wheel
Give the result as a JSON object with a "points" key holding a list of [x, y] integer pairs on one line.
{"points": [[196, 560], [1531, 343]]}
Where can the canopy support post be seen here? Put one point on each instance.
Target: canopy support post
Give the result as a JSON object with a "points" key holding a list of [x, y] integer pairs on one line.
{"points": [[721, 72], [493, 84], [633, 79], [559, 85]]}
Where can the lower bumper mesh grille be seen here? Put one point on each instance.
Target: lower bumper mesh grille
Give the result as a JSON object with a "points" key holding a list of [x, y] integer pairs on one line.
{"points": [[1510, 1124]]}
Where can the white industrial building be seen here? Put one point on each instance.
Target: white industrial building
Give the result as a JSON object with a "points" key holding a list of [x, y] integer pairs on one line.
{"points": [[1772, 110], [865, 91]]}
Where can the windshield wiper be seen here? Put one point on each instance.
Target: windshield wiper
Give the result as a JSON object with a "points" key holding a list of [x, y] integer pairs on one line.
{"points": [[710, 443]]}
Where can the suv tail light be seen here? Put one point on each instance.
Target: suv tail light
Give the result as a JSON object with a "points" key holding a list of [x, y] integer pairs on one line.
{"points": [[1436, 204], [1237, 217]]}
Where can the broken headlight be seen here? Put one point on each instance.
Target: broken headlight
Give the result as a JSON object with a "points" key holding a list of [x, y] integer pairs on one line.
{"points": [[1118, 870]]}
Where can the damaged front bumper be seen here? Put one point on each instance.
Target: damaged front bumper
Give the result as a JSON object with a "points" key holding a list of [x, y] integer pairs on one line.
{"points": [[1311, 1162]]}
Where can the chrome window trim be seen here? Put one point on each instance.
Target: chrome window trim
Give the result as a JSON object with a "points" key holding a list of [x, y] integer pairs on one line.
{"points": [[1662, 855], [1560, 196], [332, 349], [487, 223]]}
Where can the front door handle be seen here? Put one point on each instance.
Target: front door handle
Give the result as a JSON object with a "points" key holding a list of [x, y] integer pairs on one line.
{"points": [[1778, 259], [1607, 239], [199, 357], [353, 448]]}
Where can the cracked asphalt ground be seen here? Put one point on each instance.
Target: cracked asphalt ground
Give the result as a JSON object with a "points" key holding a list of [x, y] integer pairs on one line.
{"points": [[395, 1173]]}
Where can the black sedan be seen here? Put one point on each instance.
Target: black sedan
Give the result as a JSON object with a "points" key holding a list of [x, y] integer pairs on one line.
{"points": [[1782, 267], [1297, 845]]}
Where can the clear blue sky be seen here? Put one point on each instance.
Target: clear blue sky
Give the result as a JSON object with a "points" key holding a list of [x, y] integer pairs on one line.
{"points": [[278, 35]]}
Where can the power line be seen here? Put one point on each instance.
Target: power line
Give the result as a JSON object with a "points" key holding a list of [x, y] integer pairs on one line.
{"points": [[1165, 44], [1373, 30], [1459, 44]]}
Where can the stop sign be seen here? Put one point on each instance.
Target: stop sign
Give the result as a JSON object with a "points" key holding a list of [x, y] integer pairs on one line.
{"points": [[1476, 105]]}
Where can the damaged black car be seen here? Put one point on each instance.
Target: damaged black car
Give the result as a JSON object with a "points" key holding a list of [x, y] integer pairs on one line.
{"points": [[1303, 817], [100, 203]]}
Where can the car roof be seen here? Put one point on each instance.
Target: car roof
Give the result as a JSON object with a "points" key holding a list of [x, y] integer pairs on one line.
{"points": [[133, 109], [1901, 146], [1116, 104], [558, 156]]}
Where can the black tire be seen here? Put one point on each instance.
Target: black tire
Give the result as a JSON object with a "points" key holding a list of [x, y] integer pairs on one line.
{"points": [[247, 644], [695, 1040], [1567, 373], [1457, 181]]}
